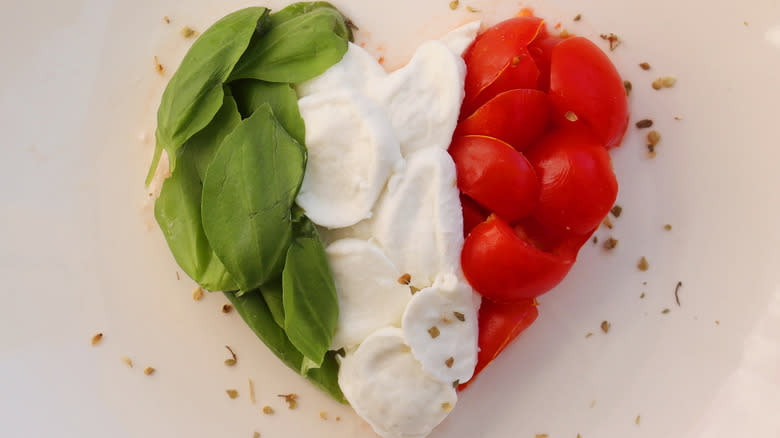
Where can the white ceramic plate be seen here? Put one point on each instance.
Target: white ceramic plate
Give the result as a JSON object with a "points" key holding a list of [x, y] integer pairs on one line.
{"points": [[80, 254]]}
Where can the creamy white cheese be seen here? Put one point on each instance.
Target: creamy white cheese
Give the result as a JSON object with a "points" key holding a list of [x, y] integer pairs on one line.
{"points": [[388, 387], [440, 325], [419, 222], [423, 98], [352, 150], [357, 69], [369, 294], [459, 39]]}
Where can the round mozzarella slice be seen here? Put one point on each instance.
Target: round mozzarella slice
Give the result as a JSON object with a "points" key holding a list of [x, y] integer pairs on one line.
{"points": [[458, 39], [352, 150], [440, 325], [356, 69], [386, 386], [423, 98], [418, 221], [369, 293]]}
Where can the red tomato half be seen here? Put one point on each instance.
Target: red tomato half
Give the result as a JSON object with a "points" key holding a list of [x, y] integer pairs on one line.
{"points": [[500, 52], [503, 267], [584, 81], [496, 176], [473, 214], [518, 117], [499, 325], [541, 51], [578, 186]]}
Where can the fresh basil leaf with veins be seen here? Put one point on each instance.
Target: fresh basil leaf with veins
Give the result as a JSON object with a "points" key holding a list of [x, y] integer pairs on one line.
{"points": [[248, 191], [296, 9], [177, 210], [311, 306], [272, 294], [194, 94], [251, 94], [254, 310], [296, 50]]}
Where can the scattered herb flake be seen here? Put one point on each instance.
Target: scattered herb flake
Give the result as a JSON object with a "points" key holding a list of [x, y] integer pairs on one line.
{"points": [[291, 400], [459, 316], [676, 293], [589, 334], [472, 9], [351, 24], [197, 293], [157, 66], [405, 279], [657, 84], [717, 322], [455, 383], [678, 118], [323, 415], [445, 320], [450, 360], [149, 371], [665, 311], [593, 403], [628, 86], [338, 418], [570, 116], [231, 361], [434, 332], [267, 410], [177, 272], [454, 4], [542, 435], [167, 19], [653, 137], [127, 361], [414, 289], [668, 227], [608, 222], [186, 32], [96, 339], [595, 240], [644, 66], [232, 393], [226, 308], [643, 265], [642, 295], [446, 406], [644, 123], [616, 211], [637, 420], [610, 243], [251, 391], [564, 34], [256, 434], [668, 81], [605, 325], [578, 17], [614, 40]]}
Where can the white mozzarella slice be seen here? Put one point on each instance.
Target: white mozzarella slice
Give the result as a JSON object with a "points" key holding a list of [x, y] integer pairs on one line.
{"points": [[352, 151], [440, 325], [418, 220], [387, 386], [458, 39], [369, 293], [423, 98], [356, 69]]}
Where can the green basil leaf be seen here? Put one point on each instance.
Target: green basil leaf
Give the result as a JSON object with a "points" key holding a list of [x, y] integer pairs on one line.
{"points": [[177, 210], [251, 94], [296, 9], [311, 306], [272, 294], [254, 310], [248, 191], [194, 94], [296, 50]]}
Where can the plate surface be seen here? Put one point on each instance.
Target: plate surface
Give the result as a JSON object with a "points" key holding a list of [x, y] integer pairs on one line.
{"points": [[80, 253]]}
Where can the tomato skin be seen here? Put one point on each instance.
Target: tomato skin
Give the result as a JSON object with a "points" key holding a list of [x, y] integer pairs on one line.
{"points": [[583, 80], [500, 51], [518, 117], [504, 268], [495, 175], [541, 51], [499, 325], [578, 186], [473, 214]]}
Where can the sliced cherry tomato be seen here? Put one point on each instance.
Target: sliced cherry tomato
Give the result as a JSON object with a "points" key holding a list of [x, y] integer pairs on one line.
{"points": [[541, 51], [503, 267], [518, 117], [578, 186], [473, 214], [499, 325], [495, 175], [500, 51], [584, 81]]}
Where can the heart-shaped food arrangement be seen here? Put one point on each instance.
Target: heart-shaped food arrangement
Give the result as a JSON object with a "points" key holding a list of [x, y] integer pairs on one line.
{"points": [[385, 234]]}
